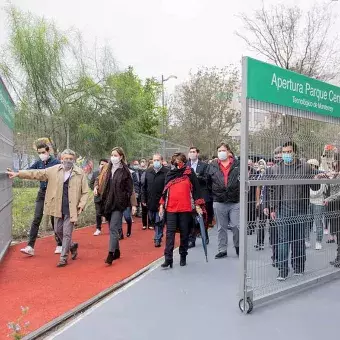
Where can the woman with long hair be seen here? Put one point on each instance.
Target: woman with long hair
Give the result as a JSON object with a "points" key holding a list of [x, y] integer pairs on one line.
{"points": [[180, 197], [115, 187]]}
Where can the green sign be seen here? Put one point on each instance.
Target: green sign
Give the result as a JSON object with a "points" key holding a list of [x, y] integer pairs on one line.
{"points": [[6, 106], [272, 84]]}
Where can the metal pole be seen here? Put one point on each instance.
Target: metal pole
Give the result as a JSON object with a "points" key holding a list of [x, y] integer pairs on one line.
{"points": [[244, 186], [68, 136], [163, 118]]}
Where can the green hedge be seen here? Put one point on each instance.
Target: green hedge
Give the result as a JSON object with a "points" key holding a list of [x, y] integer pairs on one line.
{"points": [[23, 212], [24, 183]]}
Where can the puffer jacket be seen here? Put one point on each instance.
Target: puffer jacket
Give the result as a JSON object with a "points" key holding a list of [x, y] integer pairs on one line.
{"points": [[221, 192]]}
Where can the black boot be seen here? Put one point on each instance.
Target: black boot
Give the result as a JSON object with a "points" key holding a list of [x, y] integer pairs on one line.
{"points": [[74, 251], [128, 234], [191, 245], [183, 261], [167, 263], [109, 258], [116, 254]]}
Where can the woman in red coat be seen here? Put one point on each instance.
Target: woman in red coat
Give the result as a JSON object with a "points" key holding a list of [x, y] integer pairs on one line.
{"points": [[181, 196]]}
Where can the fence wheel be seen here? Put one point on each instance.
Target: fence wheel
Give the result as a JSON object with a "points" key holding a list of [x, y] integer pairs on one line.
{"points": [[249, 305]]}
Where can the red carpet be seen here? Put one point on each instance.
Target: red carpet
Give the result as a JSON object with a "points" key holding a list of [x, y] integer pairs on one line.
{"points": [[49, 292]]}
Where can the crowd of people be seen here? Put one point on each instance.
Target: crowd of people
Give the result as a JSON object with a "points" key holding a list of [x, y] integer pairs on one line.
{"points": [[291, 210], [172, 194]]}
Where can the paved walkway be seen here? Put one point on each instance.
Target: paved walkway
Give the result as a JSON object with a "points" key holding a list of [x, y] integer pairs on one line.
{"points": [[199, 302]]}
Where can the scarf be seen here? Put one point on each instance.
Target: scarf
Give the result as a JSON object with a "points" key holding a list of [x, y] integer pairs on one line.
{"points": [[175, 176], [178, 175], [115, 167]]}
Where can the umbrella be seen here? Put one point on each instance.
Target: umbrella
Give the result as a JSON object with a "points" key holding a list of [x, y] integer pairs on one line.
{"points": [[200, 221]]}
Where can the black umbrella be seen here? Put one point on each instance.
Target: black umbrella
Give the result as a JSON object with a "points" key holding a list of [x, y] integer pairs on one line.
{"points": [[200, 221]]}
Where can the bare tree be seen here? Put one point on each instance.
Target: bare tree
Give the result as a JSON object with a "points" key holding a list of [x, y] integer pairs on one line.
{"points": [[203, 110], [303, 42]]}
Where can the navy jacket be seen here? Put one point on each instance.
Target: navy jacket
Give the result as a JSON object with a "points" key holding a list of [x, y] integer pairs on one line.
{"points": [[202, 176], [39, 164], [152, 187], [95, 175]]}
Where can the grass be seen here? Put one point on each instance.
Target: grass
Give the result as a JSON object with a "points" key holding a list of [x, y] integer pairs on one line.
{"points": [[23, 212]]}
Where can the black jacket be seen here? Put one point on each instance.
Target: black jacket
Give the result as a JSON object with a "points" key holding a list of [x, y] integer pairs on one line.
{"points": [[202, 176], [298, 195], [222, 193], [253, 175], [136, 182], [117, 190], [95, 175], [152, 187]]}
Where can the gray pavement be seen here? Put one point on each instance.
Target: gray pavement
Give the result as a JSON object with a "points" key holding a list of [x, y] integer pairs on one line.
{"points": [[200, 302]]}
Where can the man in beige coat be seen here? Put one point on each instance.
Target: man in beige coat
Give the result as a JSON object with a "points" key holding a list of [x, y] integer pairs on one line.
{"points": [[66, 197]]}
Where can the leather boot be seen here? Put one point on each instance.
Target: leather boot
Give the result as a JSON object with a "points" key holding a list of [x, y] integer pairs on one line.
{"points": [[183, 261]]}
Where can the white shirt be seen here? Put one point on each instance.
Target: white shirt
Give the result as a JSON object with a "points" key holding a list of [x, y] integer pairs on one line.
{"points": [[67, 175], [194, 165]]}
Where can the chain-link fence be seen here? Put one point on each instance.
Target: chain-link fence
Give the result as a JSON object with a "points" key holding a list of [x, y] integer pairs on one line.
{"points": [[287, 205]]}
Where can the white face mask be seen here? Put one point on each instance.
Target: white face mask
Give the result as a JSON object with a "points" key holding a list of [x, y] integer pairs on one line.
{"points": [[115, 159], [222, 155], [44, 156]]}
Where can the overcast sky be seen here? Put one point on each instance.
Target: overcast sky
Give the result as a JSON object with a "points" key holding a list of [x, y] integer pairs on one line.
{"points": [[155, 36]]}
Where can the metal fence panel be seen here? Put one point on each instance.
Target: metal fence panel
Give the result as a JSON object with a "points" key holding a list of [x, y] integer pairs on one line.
{"points": [[6, 151], [288, 250]]}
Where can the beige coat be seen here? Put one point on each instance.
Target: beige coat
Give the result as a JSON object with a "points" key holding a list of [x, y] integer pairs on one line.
{"points": [[77, 192]]}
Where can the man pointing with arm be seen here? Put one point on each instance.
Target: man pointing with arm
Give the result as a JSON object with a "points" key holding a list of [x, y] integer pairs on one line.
{"points": [[66, 197]]}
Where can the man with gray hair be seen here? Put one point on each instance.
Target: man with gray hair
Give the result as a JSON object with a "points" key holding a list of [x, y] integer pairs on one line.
{"points": [[66, 197]]}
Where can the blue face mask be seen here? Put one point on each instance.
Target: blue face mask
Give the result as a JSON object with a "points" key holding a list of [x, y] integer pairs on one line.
{"points": [[287, 157], [157, 164]]}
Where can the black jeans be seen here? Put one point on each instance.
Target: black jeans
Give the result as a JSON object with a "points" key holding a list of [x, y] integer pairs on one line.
{"points": [[210, 212], [38, 215], [98, 215], [183, 222], [144, 216]]}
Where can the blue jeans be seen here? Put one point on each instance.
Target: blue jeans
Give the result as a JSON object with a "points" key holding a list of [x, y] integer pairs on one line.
{"points": [[291, 233], [158, 225], [128, 219], [317, 213]]}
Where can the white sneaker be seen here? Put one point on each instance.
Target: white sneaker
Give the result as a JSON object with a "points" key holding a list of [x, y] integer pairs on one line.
{"points": [[318, 246], [97, 232], [307, 244], [325, 232], [58, 250], [28, 251]]}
